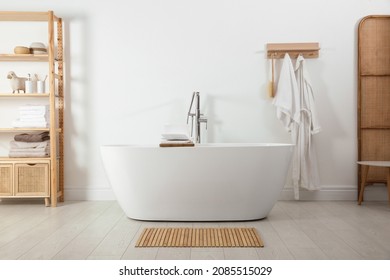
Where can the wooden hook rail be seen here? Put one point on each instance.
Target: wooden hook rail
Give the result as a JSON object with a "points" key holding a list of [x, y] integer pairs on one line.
{"points": [[307, 50]]}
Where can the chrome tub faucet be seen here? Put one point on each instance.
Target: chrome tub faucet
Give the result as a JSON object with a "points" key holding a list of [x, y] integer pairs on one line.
{"points": [[196, 117]]}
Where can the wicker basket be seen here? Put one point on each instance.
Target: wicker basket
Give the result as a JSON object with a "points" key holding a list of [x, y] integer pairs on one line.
{"points": [[31, 179], [6, 180]]}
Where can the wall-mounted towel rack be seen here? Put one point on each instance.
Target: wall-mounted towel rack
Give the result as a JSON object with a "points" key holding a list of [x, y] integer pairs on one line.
{"points": [[278, 50], [308, 50]]}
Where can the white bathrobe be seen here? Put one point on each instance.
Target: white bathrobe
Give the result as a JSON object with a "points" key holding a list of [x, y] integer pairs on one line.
{"points": [[296, 109]]}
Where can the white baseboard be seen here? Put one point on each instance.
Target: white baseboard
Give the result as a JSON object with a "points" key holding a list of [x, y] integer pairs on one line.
{"points": [[345, 192]]}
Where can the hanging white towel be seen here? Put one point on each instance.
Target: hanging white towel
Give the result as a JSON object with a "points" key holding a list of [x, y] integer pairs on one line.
{"points": [[295, 108], [287, 99]]}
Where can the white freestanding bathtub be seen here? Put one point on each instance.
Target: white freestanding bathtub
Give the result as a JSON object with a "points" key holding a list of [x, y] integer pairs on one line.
{"points": [[208, 182]]}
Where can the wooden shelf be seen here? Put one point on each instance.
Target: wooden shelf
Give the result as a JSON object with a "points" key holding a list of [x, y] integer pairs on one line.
{"points": [[19, 129], [24, 158], [24, 57], [26, 129], [25, 16], [24, 95]]}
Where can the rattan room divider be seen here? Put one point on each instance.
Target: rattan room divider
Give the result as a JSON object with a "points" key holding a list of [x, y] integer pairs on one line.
{"points": [[374, 95]]}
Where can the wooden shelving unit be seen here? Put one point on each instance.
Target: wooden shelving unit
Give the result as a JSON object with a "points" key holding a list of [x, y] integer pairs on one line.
{"points": [[46, 174]]}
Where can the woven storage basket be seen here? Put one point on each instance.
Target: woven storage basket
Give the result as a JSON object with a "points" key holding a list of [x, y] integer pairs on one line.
{"points": [[31, 179], [5, 179]]}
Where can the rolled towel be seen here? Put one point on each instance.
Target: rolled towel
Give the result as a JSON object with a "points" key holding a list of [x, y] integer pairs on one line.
{"points": [[32, 137]]}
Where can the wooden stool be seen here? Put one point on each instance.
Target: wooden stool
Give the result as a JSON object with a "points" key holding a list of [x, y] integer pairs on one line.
{"points": [[365, 167]]}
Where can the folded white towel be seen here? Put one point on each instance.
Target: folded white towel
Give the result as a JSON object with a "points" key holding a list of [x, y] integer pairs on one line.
{"points": [[175, 136], [34, 108], [32, 124], [33, 112], [175, 132], [176, 141], [33, 115], [38, 119]]}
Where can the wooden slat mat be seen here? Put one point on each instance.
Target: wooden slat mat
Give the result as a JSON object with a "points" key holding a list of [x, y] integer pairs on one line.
{"points": [[199, 237]]}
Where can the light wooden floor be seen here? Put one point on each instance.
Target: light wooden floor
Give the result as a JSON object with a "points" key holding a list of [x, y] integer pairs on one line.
{"points": [[100, 230]]}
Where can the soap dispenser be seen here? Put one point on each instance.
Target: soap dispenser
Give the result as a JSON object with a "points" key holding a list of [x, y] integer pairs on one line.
{"points": [[29, 85]]}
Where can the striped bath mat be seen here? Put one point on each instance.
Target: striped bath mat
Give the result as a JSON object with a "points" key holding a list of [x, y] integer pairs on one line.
{"points": [[199, 237]]}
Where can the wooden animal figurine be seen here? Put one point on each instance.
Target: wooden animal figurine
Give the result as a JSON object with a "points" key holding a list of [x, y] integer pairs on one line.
{"points": [[17, 83]]}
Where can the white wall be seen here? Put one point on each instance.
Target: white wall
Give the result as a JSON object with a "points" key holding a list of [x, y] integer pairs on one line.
{"points": [[132, 66]]}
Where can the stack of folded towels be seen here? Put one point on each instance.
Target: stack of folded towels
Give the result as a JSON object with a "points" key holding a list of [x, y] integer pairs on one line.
{"points": [[176, 136], [33, 116], [30, 145]]}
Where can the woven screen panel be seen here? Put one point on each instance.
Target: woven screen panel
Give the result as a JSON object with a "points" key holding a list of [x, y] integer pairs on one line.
{"points": [[375, 48], [375, 108], [378, 149]]}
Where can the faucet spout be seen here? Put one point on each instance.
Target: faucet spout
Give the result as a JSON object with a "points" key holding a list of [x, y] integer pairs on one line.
{"points": [[196, 118]]}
